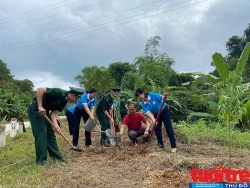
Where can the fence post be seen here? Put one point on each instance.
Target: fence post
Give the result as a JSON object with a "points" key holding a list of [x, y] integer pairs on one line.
{"points": [[2, 137], [20, 127], [13, 127]]}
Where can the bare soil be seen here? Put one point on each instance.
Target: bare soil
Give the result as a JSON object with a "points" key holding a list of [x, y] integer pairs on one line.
{"points": [[123, 166]]}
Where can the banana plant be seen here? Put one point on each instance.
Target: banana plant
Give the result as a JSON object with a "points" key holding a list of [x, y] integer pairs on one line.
{"points": [[230, 92]]}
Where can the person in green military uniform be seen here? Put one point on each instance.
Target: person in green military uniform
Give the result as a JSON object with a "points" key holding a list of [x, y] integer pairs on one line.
{"points": [[103, 113], [123, 107], [46, 100]]}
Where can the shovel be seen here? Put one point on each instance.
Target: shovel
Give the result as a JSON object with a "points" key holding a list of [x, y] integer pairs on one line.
{"points": [[114, 137], [72, 147]]}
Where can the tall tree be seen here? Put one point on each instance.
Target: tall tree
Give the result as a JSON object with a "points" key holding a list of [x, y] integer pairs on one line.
{"points": [[94, 76], [5, 72], [235, 46], [177, 79], [6, 79], [154, 65], [129, 79], [25, 85], [118, 70]]}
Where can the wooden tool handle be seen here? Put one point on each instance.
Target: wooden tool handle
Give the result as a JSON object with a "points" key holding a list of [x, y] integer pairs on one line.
{"points": [[52, 124], [158, 115]]}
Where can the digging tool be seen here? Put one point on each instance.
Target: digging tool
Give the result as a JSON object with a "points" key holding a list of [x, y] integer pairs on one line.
{"points": [[62, 124], [90, 125], [155, 123], [52, 124], [115, 128]]}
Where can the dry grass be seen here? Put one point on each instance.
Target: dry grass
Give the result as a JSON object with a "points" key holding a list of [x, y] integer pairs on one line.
{"points": [[123, 166]]}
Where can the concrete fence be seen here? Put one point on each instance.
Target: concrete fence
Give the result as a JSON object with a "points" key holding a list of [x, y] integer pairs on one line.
{"points": [[27, 125]]}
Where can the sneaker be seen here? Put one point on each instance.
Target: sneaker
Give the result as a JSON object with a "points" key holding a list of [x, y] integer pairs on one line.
{"points": [[62, 159], [173, 150], [43, 164], [89, 146], [105, 143], [161, 146], [135, 142]]}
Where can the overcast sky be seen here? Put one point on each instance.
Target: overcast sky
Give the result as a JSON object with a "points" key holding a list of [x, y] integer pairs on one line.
{"points": [[49, 42]]}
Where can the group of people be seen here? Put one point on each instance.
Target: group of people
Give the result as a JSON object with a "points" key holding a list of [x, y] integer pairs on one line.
{"points": [[53, 100]]}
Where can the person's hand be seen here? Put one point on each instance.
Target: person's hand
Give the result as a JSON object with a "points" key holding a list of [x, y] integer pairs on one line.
{"points": [[92, 118], [119, 134], [146, 133], [58, 130], [165, 93], [41, 110], [154, 122], [111, 120]]}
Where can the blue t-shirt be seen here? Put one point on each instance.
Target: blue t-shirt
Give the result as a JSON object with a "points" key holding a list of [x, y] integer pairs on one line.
{"points": [[154, 103], [84, 99], [71, 109]]}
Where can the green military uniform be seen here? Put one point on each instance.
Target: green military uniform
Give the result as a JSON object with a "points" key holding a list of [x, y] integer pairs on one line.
{"points": [[123, 109], [45, 139], [105, 104]]}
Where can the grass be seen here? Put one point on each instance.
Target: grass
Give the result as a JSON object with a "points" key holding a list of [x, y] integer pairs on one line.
{"points": [[19, 148], [119, 166], [17, 162], [213, 132]]}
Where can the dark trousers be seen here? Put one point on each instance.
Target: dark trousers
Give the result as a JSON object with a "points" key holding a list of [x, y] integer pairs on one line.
{"points": [[78, 113], [133, 135], [70, 118], [166, 119], [105, 124], [45, 139]]}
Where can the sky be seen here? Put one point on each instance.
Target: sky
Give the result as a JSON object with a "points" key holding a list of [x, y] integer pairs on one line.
{"points": [[49, 42]]}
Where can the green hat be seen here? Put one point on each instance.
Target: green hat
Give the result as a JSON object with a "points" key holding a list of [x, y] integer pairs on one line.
{"points": [[116, 90], [122, 97], [76, 91]]}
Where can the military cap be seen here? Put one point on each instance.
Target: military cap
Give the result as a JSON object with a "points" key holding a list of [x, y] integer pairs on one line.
{"points": [[116, 90], [76, 91], [122, 97]]}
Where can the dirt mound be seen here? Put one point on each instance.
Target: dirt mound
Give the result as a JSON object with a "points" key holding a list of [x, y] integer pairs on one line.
{"points": [[168, 179]]}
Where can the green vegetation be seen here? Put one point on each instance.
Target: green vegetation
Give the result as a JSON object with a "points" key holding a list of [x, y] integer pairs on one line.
{"points": [[208, 107], [201, 132]]}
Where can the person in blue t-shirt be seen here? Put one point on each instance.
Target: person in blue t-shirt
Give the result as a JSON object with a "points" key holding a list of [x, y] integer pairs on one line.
{"points": [[150, 104], [85, 108], [70, 117]]}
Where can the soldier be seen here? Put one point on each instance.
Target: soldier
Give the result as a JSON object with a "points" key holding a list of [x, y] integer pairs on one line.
{"points": [[103, 113], [54, 100], [123, 107]]}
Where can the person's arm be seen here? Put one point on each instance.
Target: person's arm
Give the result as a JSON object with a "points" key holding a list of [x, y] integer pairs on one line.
{"points": [[107, 114], [40, 93], [53, 119], [151, 116], [121, 130], [104, 108], [126, 106], [91, 115]]}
